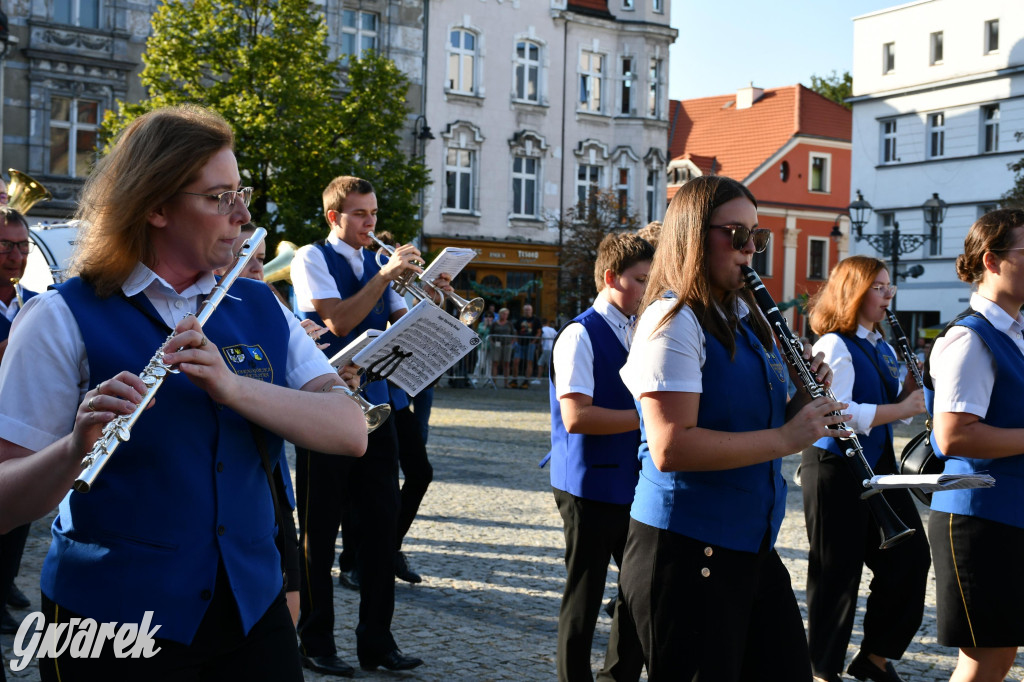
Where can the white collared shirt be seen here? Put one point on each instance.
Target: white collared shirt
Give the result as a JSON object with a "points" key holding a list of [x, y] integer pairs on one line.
{"points": [[9, 310], [573, 356], [45, 372], [963, 368], [671, 359], [312, 280], [840, 360]]}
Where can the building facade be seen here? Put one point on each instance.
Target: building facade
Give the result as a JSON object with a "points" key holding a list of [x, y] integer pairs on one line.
{"points": [[938, 108], [532, 104], [791, 148]]}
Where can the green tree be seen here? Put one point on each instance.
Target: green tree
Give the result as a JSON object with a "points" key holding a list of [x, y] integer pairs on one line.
{"points": [[1014, 198], [834, 87], [264, 66], [582, 227]]}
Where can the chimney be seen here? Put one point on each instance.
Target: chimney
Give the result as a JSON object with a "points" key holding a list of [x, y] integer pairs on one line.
{"points": [[745, 97]]}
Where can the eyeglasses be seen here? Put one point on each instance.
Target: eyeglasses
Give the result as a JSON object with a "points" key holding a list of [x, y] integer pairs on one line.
{"points": [[884, 289], [6, 247], [741, 234], [4, 197], [226, 200]]}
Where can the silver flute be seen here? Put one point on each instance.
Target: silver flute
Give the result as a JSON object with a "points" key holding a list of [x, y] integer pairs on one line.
{"points": [[119, 429]]}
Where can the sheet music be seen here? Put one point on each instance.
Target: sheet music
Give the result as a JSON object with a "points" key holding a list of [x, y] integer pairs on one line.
{"points": [[451, 261], [418, 348], [344, 356], [933, 482]]}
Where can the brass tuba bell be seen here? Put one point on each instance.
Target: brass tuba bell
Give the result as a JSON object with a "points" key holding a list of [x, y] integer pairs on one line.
{"points": [[24, 192], [280, 269]]}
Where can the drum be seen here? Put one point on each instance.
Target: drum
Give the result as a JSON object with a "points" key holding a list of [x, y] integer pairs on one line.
{"points": [[49, 258]]}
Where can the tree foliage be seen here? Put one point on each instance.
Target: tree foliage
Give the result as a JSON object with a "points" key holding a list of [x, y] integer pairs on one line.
{"points": [[1014, 198], [582, 227], [834, 87], [264, 65]]}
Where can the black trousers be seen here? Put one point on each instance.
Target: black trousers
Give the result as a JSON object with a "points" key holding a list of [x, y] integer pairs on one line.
{"points": [[412, 457], [594, 533], [844, 538], [325, 484], [219, 651], [12, 545], [704, 612]]}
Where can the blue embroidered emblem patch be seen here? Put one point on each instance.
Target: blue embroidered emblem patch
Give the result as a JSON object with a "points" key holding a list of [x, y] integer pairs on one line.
{"points": [[890, 362], [249, 361]]}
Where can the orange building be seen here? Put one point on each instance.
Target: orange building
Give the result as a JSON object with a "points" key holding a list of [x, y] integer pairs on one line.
{"points": [[791, 147]]}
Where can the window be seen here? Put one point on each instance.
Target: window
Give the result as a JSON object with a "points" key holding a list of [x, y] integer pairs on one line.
{"points": [[935, 56], [990, 132], [658, 5], [653, 85], [992, 36], [889, 141], [591, 75], [622, 194], [527, 61], [650, 191], [588, 182], [762, 261], [626, 106], [986, 208], [936, 135], [73, 129], [85, 13], [817, 258], [888, 57], [462, 61], [358, 33], [525, 172], [886, 224], [627, 4], [820, 179], [459, 171]]}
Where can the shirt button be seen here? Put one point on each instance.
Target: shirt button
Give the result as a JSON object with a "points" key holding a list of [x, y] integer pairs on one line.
{"points": [[220, 530], [205, 595], [220, 467], [178, 304], [706, 572], [708, 551]]}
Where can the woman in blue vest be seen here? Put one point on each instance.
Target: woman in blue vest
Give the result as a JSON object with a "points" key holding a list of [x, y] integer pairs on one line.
{"points": [[977, 370], [709, 594], [177, 535], [843, 535]]}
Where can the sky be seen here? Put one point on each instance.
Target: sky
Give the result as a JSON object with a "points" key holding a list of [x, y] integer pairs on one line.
{"points": [[723, 45]]}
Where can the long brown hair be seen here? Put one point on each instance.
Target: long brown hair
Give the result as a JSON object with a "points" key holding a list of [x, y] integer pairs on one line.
{"points": [[157, 155], [836, 306], [681, 261]]}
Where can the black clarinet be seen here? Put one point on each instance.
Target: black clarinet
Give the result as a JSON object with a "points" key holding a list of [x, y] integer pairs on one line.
{"points": [[893, 530], [904, 345]]}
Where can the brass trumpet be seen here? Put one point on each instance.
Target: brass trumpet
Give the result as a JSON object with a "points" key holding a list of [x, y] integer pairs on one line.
{"points": [[375, 415], [469, 311]]}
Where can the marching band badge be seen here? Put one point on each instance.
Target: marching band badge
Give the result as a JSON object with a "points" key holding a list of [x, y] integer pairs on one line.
{"points": [[775, 362], [890, 362], [249, 361]]}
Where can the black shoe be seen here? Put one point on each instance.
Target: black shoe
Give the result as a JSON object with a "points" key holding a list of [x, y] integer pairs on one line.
{"points": [[403, 571], [349, 579], [393, 660], [328, 665], [862, 668], [17, 599], [8, 624]]}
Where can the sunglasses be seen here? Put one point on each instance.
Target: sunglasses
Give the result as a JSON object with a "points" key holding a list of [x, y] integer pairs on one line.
{"points": [[741, 234]]}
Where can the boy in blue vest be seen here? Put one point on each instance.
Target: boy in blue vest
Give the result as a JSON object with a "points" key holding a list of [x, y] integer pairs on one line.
{"points": [[594, 467]]}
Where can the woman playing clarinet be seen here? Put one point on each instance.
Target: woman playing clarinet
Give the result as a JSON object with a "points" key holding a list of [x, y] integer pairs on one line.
{"points": [[176, 537], [842, 533], [977, 370], [708, 592]]}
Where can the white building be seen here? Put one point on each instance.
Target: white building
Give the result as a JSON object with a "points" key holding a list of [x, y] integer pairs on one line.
{"points": [[938, 107], [531, 103]]}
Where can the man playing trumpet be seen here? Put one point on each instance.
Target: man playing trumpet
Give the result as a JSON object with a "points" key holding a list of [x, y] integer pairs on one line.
{"points": [[339, 284]]}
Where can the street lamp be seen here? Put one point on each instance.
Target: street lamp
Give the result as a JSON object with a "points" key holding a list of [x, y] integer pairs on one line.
{"points": [[891, 242], [420, 134]]}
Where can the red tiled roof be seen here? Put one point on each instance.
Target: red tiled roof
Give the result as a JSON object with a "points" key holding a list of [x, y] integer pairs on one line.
{"points": [[590, 5], [740, 140]]}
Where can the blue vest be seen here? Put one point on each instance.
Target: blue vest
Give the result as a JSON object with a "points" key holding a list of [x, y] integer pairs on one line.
{"points": [[187, 491], [870, 364], [1001, 503], [348, 286], [5, 324], [602, 468], [734, 508]]}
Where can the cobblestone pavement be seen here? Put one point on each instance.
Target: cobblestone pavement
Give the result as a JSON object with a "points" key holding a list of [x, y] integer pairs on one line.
{"points": [[488, 542]]}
